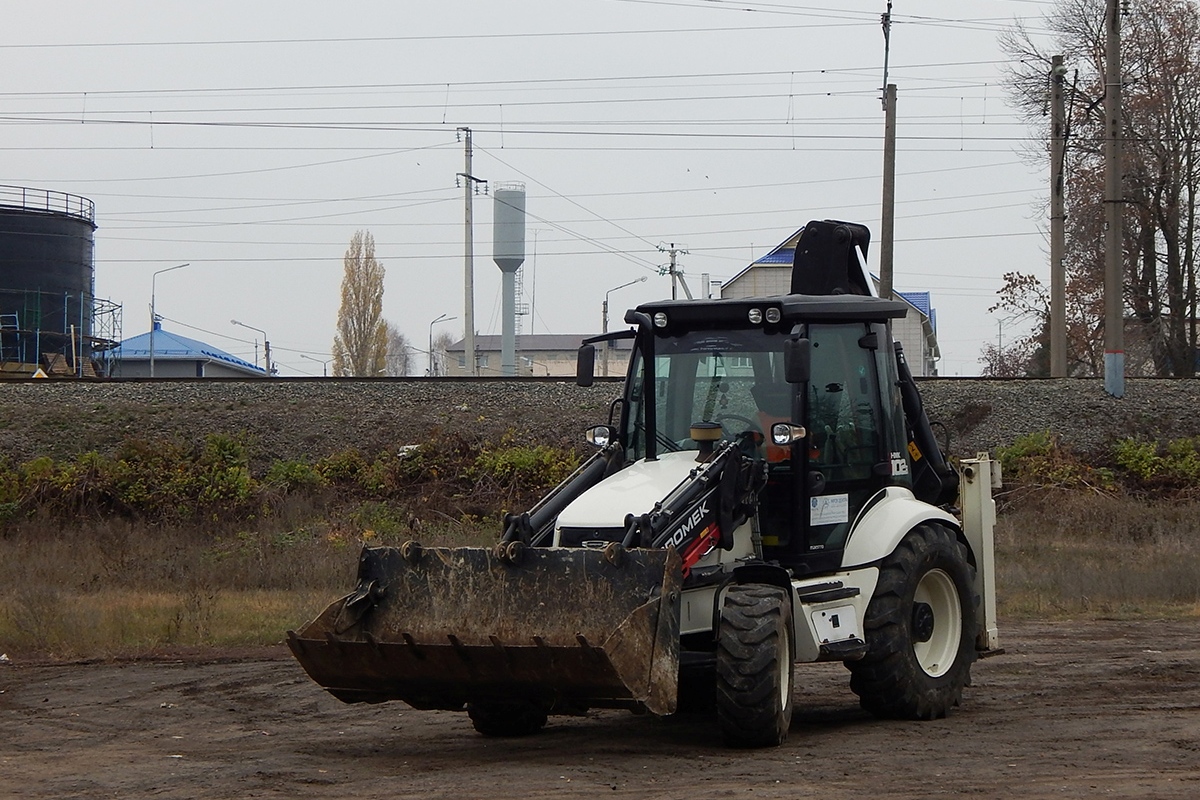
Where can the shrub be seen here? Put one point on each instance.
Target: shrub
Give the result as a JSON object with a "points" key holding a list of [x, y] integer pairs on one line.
{"points": [[1175, 465], [291, 476], [1039, 460], [522, 468], [342, 467]]}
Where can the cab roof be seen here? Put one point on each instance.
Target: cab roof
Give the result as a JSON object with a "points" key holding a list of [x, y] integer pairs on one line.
{"points": [[794, 308]]}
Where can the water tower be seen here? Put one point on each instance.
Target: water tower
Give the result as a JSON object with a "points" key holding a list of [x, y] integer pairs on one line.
{"points": [[508, 251]]}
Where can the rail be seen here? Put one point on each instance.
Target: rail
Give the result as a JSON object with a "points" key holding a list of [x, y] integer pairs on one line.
{"points": [[47, 200]]}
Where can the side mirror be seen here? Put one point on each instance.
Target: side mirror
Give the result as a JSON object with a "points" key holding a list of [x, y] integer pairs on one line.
{"points": [[797, 360], [600, 435], [585, 365]]}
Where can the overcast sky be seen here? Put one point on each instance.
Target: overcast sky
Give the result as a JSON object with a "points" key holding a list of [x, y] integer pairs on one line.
{"points": [[252, 139]]}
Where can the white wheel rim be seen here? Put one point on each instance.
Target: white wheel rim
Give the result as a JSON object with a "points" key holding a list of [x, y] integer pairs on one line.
{"points": [[785, 674], [937, 591]]}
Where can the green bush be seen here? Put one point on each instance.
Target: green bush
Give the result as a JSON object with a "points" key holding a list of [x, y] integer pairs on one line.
{"points": [[1040, 460], [446, 476], [1140, 459], [1175, 465], [521, 467], [342, 467], [291, 476]]}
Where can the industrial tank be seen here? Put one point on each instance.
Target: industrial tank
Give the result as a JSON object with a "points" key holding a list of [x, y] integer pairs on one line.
{"points": [[46, 282]]}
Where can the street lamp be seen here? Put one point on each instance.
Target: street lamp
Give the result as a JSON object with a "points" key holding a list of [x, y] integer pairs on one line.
{"points": [[266, 344], [431, 370], [604, 321], [324, 364], [153, 316]]}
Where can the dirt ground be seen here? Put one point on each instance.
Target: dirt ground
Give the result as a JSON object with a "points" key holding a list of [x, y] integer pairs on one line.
{"points": [[1072, 709]]}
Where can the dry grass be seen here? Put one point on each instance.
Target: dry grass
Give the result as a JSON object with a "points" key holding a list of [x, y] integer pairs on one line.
{"points": [[118, 588], [1062, 554], [121, 589]]}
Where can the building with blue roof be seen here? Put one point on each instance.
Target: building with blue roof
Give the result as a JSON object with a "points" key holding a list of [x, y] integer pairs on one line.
{"points": [[177, 356], [917, 332]]}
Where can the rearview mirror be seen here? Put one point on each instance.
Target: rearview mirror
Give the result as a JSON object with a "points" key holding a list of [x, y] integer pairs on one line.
{"points": [[585, 365], [797, 360]]}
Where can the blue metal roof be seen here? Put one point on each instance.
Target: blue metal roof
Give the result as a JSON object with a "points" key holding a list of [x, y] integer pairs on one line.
{"points": [[778, 257], [174, 347], [918, 300]]}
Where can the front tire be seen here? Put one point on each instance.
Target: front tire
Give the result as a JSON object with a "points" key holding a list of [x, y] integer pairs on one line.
{"points": [[755, 651], [920, 629], [507, 719]]}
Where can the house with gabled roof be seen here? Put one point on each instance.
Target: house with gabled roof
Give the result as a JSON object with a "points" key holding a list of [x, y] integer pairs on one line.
{"points": [[177, 356], [917, 332]]}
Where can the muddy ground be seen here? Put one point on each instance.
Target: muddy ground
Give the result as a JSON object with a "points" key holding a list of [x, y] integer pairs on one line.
{"points": [[1072, 709]]}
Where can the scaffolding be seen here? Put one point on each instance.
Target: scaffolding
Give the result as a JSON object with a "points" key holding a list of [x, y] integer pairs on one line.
{"points": [[39, 331]]}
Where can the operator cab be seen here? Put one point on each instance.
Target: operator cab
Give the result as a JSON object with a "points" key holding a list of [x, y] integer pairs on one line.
{"points": [[723, 362]]}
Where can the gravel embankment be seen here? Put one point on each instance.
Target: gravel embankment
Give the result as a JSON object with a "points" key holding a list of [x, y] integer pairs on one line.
{"points": [[312, 418]]}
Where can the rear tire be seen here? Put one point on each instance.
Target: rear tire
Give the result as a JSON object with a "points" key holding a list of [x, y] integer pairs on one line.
{"points": [[755, 651], [506, 719], [920, 629]]}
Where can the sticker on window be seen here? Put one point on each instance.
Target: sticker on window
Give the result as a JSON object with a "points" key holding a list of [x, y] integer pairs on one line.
{"points": [[829, 509]]}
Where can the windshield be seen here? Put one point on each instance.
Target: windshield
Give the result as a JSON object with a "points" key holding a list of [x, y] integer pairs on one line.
{"points": [[734, 378]]}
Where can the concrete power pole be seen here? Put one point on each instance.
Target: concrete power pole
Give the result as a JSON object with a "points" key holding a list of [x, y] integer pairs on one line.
{"points": [[1058, 278], [887, 225], [1114, 284], [887, 221], [470, 184], [672, 269]]}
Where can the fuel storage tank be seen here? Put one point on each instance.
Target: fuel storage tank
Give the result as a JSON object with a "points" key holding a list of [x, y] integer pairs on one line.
{"points": [[47, 278]]}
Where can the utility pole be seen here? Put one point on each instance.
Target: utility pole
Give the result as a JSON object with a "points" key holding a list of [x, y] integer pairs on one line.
{"points": [[1114, 284], [887, 222], [887, 225], [470, 186], [1058, 278], [672, 269]]}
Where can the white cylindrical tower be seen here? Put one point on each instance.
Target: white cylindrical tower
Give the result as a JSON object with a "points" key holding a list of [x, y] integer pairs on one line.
{"points": [[508, 251]]}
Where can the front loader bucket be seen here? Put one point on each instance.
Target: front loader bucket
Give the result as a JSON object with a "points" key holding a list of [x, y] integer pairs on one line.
{"points": [[563, 628]]}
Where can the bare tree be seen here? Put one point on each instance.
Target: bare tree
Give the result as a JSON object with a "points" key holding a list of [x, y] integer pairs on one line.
{"points": [[360, 345], [437, 356], [1160, 125], [398, 352]]}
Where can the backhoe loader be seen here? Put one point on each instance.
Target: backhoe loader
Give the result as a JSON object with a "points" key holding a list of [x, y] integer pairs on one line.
{"points": [[767, 491]]}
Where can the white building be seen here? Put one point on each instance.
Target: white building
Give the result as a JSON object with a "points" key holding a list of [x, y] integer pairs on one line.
{"points": [[917, 332]]}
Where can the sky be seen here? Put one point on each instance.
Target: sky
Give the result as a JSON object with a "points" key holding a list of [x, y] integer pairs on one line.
{"points": [[250, 140]]}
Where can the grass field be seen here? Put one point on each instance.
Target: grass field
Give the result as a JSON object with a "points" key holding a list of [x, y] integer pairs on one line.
{"points": [[109, 588]]}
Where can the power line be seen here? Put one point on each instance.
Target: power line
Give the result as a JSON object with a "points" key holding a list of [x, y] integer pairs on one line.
{"points": [[358, 40], [483, 85]]}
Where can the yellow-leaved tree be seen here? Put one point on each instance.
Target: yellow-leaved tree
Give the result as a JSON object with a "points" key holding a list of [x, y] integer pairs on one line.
{"points": [[361, 344]]}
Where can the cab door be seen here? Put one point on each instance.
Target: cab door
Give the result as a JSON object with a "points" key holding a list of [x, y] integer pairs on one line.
{"points": [[844, 456]]}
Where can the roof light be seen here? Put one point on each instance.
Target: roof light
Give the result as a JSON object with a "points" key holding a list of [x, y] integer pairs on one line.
{"points": [[773, 315], [756, 316], [660, 320]]}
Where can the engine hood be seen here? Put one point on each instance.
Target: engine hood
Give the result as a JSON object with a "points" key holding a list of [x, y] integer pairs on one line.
{"points": [[633, 490]]}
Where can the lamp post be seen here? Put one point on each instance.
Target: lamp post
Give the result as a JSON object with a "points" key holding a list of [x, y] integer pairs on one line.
{"points": [[324, 364], [604, 320], [266, 344], [431, 370], [153, 315]]}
